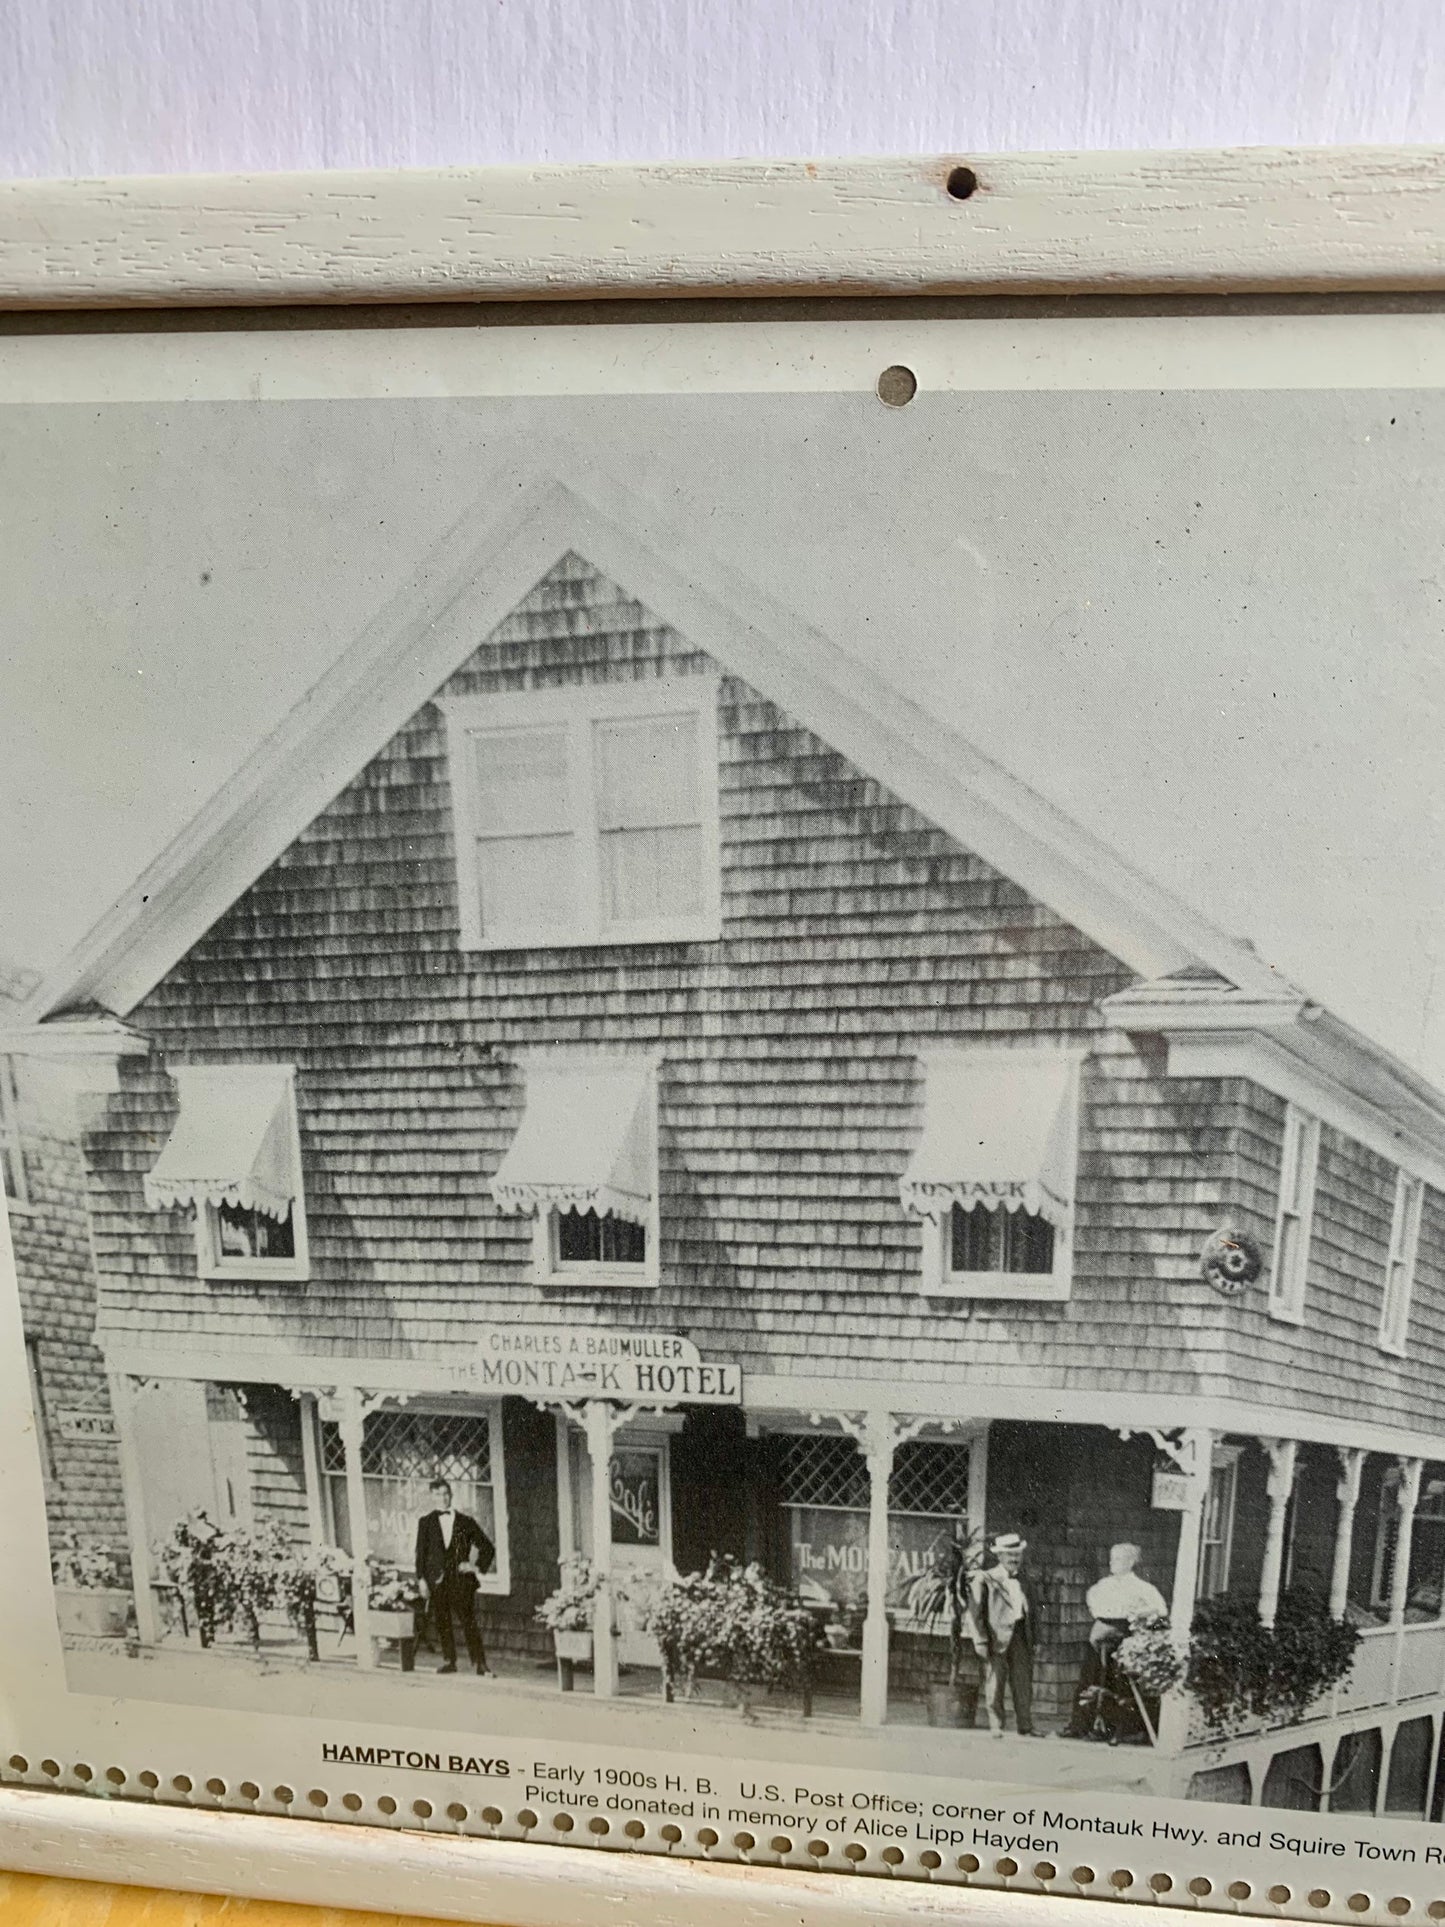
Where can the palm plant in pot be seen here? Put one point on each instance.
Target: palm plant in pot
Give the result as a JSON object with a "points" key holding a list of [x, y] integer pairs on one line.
{"points": [[938, 1600], [568, 1611], [92, 1593]]}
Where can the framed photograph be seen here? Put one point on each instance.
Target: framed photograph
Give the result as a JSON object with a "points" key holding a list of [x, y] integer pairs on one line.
{"points": [[722, 1061]]}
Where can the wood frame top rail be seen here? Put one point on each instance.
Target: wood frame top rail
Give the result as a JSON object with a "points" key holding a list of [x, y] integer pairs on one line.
{"points": [[1247, 220]]}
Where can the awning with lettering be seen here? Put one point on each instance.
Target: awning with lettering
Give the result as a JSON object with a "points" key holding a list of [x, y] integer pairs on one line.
{"points": [[234, 1141], [1000, 1130], [584, 1143]]}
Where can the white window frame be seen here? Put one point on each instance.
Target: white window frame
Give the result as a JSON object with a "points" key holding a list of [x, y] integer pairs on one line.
{"points": [[549, 1270], [11, 1140], [497, 1582], [1301, 1154], [577, 708], [1054, 1287], [295, 1270], [1400, 1262], [1225, 1458]]}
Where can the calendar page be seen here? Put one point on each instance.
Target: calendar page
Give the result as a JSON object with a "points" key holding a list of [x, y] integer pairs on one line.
{"points": [[722, 1086]]}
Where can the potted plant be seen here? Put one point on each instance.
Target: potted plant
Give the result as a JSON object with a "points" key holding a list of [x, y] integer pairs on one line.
{"points": [[569, 1610], [392, 1597], [92, 1594], [733, 1621], [938, 1599]]}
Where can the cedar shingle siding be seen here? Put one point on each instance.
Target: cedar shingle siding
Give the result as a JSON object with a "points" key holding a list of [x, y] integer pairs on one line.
{"points": [[57, 1284], [854, 935]]}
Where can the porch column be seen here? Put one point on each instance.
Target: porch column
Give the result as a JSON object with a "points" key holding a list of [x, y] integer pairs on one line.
{"points": [[1195, 1459], [349, 1410], [1347, 1491], [1280, 1484], [311, 1470], [124, 1392], [1407, 1497], [598, 1425], [880, 1436]]}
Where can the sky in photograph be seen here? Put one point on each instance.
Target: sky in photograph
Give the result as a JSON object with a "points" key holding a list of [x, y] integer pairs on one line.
{"points": [[1207, 625]]}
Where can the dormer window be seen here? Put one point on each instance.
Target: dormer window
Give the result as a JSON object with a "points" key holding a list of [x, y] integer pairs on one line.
{"points": [[234, 1157], [583, 1164], [993, 1174], [587, 815]]}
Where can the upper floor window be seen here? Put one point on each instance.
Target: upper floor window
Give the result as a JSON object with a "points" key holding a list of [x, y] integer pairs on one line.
{"points": [[13, 1177], [234, 1156], [587, 815], [1295, 1219], [1400, 1263], [584, 1164], [993, 1174]]}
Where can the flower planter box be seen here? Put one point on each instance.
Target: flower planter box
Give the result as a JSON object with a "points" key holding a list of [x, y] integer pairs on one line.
{"points": [[399, 1625], [92, 1612]]}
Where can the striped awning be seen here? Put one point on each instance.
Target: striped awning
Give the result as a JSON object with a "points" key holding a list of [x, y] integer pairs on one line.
{"points": [[234, 1141], [1000, 1130], [584, 1143]]}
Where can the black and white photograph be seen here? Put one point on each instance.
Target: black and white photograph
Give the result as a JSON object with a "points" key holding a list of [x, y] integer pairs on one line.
{"points": [[755, 1075]]}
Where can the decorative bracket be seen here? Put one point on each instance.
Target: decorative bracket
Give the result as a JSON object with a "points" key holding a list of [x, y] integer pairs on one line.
{"points": [[1282, 1456], [1180, 1445], [879, 1434], [580, 1411]]}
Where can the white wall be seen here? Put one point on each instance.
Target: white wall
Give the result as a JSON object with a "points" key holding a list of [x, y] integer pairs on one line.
{"points": [[153, 86]]}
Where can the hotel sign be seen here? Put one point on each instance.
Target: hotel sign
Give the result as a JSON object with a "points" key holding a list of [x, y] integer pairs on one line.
{"points": [[578, 1361]]}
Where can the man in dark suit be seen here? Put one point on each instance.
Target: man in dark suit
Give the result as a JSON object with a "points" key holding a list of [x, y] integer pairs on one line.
{"points": [[1005, 1611], [452, 1552]]}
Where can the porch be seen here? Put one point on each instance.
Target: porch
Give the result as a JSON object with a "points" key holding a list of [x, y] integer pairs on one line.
{"points": [[847, 1507]]}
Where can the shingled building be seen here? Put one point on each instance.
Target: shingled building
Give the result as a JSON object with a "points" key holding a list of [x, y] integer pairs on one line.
{"points": [[614, 1050]]}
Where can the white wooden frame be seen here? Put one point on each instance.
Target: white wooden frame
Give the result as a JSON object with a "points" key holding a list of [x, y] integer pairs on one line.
{"points": [[1261, 219], [1365, 221]]}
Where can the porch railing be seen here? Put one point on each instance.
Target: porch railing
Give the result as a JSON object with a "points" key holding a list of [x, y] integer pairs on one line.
{"points": [[1392, 1663]]}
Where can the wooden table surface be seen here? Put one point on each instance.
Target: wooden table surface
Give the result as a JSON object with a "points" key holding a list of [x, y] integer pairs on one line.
{"points": [[35, 1900]]}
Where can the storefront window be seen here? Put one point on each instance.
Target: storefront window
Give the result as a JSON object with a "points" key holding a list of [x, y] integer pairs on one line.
{"points": [[825, 1493], [401, 1453]]}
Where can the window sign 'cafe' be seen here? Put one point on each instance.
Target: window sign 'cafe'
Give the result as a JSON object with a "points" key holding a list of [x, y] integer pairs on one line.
{"points": [[570, 1361]]}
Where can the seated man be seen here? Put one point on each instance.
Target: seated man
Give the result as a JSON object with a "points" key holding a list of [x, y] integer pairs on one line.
{"points": [[1103, 1703]]}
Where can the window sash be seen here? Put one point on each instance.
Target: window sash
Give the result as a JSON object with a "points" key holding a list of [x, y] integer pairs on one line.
{"points": [[1400, 1262], [1299, 1167], [624, 859]]}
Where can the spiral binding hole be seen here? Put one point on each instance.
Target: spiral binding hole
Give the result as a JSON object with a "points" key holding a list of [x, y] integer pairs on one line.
{"points": [[563, 1826]]}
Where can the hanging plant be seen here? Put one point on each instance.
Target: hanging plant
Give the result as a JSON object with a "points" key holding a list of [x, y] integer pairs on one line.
{"points": [[1241, 1671]]}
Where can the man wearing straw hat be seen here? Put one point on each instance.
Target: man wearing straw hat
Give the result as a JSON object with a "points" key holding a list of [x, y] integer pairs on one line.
{"points": [[1005, 1615]]}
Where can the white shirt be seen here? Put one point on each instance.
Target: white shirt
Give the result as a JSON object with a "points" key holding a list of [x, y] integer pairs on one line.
{"points": [[1124, 1595], [448, 1521], [1014, 1593]]}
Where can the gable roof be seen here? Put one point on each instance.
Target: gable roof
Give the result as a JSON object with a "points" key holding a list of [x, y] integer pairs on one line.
{"points": [[476, 575]]}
